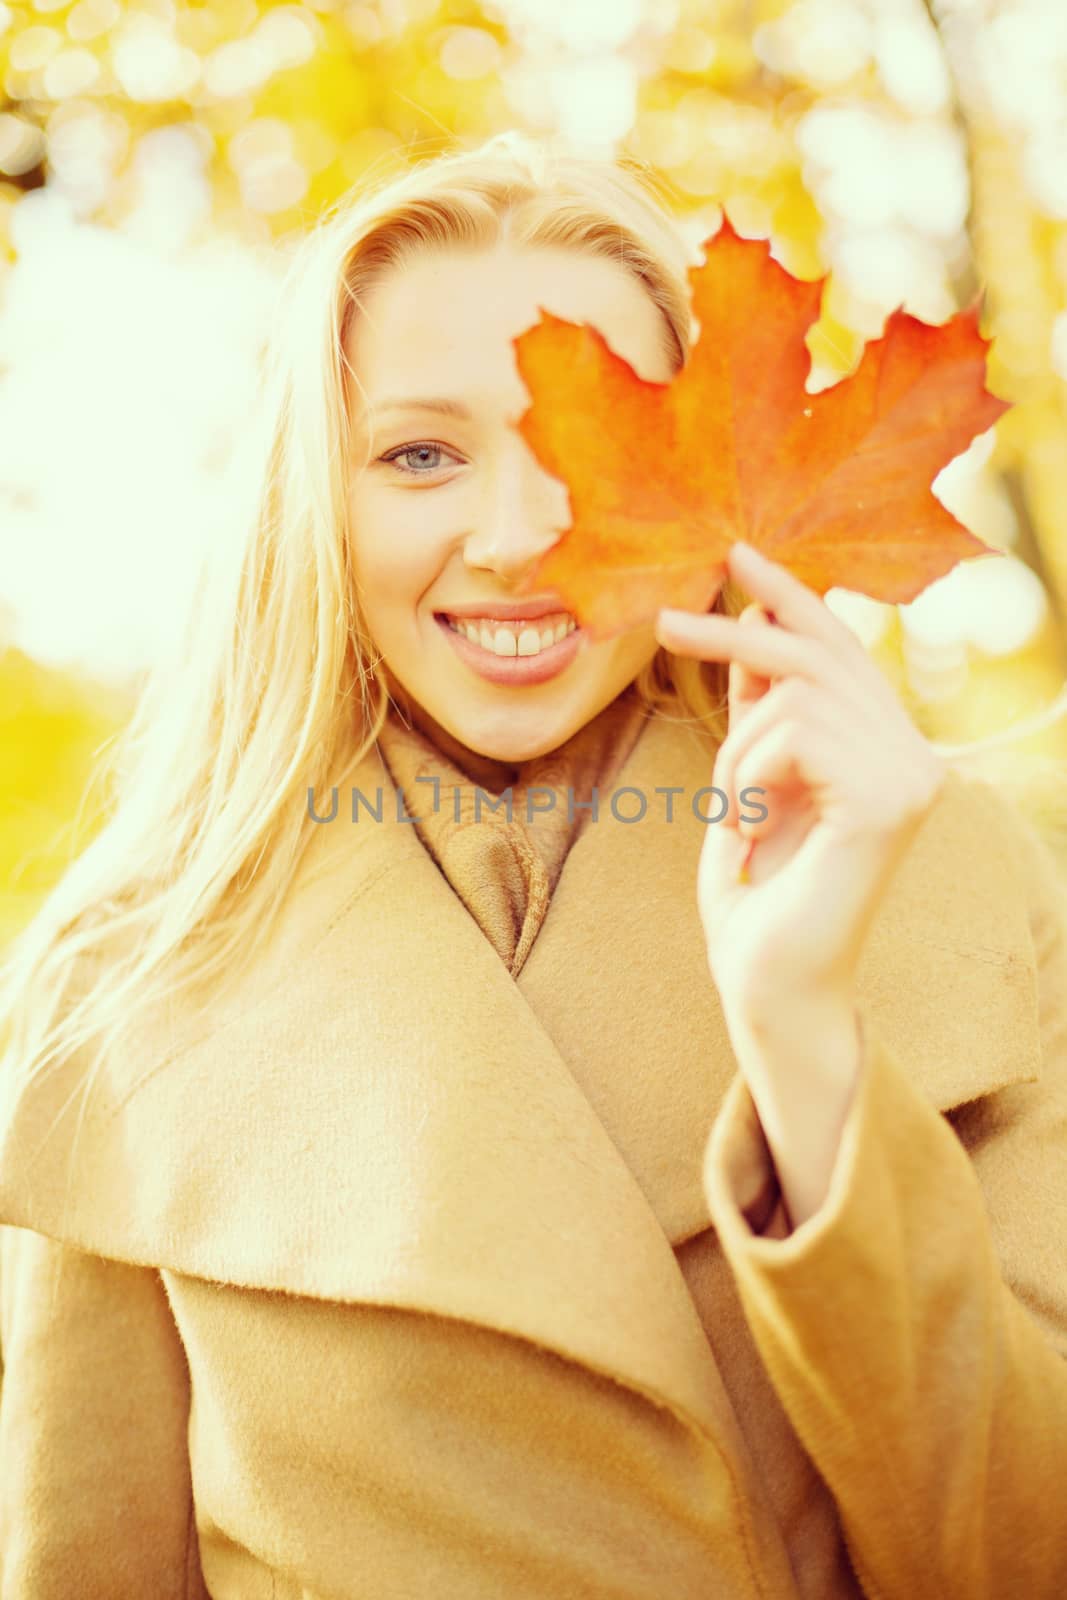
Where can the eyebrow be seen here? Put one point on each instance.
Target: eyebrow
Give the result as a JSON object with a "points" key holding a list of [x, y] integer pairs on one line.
{"points": [[448, 408]]}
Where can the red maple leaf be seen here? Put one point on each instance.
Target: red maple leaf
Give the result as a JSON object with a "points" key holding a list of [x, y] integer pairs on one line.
{"points": [[663, 478]]}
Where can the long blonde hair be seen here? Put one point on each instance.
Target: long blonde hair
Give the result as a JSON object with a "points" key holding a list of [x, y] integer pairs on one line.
{"points": [[280, 689]]}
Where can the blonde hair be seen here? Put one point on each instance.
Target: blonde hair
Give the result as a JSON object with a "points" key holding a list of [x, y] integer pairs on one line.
{"points": [[281, 690]]}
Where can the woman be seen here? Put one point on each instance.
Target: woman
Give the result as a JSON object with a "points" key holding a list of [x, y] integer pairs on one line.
{"points": [[404, 1197]]}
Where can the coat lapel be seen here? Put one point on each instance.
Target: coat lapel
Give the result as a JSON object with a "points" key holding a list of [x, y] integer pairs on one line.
{"points": [[378, 1116], [947, 974], [380, 1113]]}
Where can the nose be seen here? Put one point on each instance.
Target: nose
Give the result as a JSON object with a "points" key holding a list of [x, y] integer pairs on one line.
{"points": [[521, 513]]}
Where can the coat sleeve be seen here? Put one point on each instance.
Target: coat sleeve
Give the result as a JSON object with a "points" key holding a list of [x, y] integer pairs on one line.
{"points": [[915, 1327], [95, 1486]]}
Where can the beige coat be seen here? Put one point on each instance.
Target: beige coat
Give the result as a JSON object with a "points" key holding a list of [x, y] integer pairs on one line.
{"points": [[399, 1277]]}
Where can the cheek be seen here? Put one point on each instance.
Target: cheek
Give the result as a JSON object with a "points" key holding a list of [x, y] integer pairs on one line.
{"points": [[398, 545]]}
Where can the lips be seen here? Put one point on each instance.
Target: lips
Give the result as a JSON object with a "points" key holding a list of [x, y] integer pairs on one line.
{"points": [[516, 670]]}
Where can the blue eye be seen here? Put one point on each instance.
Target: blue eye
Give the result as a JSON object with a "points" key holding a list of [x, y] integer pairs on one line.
{"points": [[423, 448]]}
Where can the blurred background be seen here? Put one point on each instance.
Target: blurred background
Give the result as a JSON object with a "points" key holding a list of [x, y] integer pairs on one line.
{"points": [[158, 159]]}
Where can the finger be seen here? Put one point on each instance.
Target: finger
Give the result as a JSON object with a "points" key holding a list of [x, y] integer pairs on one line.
{"points": [[777, 772], [746, 688], [796, 716], [794, 605], [811, 763], [788, 700], [780, 705], [770, 651]]}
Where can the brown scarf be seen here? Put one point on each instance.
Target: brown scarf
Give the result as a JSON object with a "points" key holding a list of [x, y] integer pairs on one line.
{"points": [[503, 868]]}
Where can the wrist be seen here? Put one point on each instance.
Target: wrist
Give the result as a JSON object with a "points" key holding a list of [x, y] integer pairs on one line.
{"points": [[802, 1069], [790, 1013], [808, 1052]]}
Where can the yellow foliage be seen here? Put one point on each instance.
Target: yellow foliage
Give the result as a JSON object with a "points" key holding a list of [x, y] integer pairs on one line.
{"points": [[53, 732]]}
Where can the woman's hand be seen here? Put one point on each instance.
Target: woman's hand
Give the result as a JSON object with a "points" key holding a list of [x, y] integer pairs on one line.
{"points": [[848, 780]]}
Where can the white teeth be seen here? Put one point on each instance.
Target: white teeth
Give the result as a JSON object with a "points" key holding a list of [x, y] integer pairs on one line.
{"points": [[501, 639]]}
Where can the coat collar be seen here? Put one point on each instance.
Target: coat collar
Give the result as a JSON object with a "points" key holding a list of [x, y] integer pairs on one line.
{"points": [[382, 1113]]}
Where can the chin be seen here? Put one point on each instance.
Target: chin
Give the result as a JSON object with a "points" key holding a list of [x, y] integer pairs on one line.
{"points": [[525, 731], [511, 751]]}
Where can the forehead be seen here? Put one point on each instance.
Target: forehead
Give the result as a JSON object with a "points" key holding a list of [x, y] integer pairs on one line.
{"points": [[444, 321]]}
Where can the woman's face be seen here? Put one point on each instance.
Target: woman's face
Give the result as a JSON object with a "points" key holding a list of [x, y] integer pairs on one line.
{"points": [[453, 508]]}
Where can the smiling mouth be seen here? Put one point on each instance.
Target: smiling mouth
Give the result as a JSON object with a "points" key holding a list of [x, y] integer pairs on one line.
{"points": [[499, 638]]}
